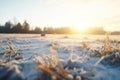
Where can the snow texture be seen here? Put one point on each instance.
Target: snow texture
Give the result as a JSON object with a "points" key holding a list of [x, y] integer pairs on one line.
{"points": [[68, 48]]}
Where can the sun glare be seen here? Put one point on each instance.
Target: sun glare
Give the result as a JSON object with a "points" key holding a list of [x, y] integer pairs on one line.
{"points": [[82, 25]]}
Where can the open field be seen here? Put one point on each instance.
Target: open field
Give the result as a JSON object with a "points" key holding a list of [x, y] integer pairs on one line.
{"points": [[59, 57]]}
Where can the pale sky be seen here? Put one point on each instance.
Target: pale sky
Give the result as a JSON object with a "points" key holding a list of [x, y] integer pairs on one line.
{"points": [[77, 13]]}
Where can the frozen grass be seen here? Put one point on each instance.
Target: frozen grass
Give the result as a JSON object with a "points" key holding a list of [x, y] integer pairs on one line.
{"points": [[50, 64], [9, 52], [59, 58]]}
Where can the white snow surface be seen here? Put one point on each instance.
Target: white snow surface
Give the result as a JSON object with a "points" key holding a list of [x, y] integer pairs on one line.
{"points": [[34, 45]]}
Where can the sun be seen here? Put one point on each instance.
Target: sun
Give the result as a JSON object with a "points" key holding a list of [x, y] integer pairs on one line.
{"points": [[82, 25]]}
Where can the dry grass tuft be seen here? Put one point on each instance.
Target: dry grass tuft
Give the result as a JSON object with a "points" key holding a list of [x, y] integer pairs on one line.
{"points": [[11, 47], [10, 53], [51, 65], [106, 48], [109, 47], [84, 44], [109, 50]]}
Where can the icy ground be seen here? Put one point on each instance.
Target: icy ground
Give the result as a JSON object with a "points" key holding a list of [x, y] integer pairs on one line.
{"points": [[31, 45]]}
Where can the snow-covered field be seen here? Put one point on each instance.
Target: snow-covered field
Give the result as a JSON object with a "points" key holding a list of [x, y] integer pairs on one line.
{"points": [[79, 54]]}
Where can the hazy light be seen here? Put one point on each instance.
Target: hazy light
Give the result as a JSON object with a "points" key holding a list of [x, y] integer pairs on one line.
{"points": [[57, 13]]}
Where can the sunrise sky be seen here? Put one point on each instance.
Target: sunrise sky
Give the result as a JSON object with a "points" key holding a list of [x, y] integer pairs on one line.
{"points": [[56, 13]]}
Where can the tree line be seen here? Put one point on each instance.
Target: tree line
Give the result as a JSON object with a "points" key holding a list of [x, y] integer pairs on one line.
{"points": [[95, 30], [9, 27], [15, 28]]}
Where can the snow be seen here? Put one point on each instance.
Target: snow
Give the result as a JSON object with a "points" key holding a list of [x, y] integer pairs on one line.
{"points": [[31, 45]]}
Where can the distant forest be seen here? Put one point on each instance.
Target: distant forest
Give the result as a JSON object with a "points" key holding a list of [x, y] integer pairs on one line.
{"points": [[9, 27], [25, 28]]}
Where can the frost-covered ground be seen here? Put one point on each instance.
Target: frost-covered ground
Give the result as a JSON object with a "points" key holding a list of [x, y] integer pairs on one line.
{"points": [[30, 46]]}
